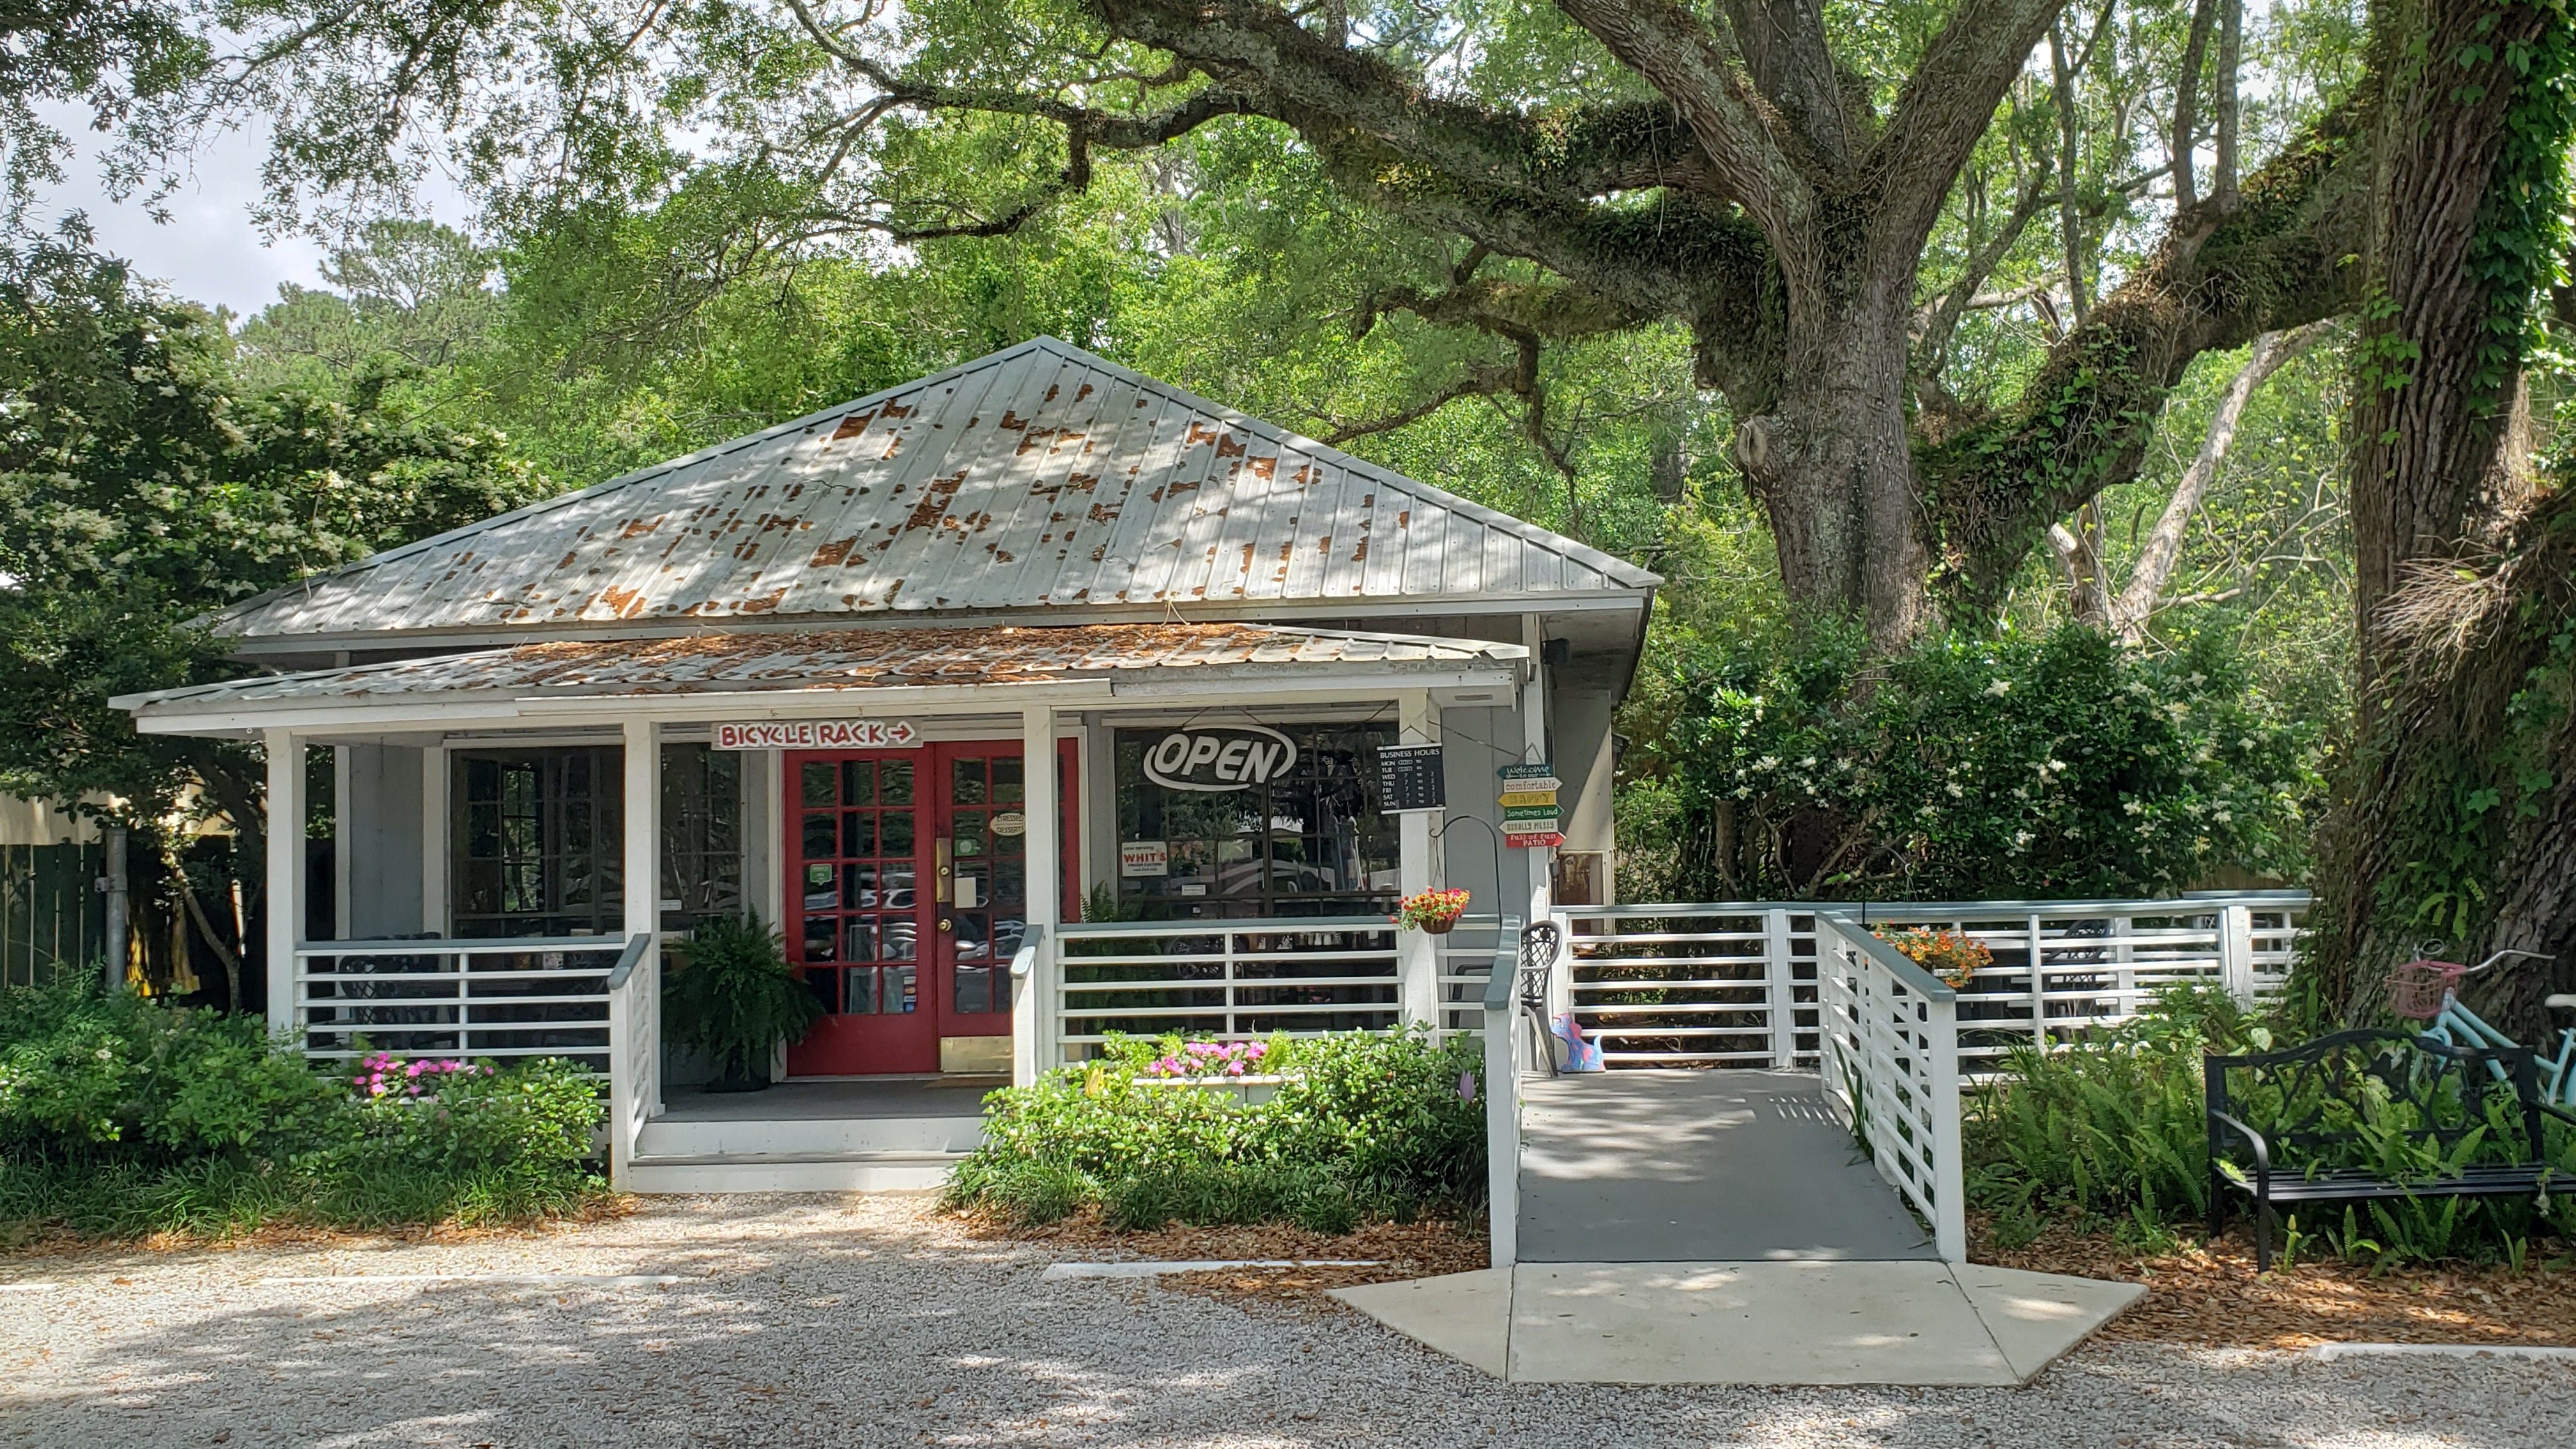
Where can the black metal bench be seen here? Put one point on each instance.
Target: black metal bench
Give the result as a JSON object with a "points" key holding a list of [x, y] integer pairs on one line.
{"points": [[2321, 1089]]}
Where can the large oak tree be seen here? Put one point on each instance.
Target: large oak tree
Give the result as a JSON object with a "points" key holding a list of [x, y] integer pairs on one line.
{"points": [[1765, 174]]}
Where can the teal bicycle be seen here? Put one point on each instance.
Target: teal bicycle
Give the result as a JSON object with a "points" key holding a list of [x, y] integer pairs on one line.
{"points": [[2429, 991]]}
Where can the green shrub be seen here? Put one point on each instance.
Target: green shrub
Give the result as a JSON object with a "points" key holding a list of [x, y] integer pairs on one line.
{"points": [[1368, 1124], [87, 1073], [121, 1117], [1976, 767], [2111, 1130]]}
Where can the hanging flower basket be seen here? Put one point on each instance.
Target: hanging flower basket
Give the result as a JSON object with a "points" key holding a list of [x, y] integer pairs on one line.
{"points": [[1432, 911], [1950, 955]]}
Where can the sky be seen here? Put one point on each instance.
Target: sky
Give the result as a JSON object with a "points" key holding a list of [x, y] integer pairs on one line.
{"points": [[209, 251]]}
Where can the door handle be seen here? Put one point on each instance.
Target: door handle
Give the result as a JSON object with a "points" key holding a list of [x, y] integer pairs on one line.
{"points": [[943, 923]]}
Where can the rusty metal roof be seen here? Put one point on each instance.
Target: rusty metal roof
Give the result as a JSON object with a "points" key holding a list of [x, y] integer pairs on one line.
{"points": [[838, 659], [1040, 477]]}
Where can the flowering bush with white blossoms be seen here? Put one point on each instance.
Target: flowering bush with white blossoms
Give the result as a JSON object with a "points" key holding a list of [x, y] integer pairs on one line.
{"points": [[2019, 766]]}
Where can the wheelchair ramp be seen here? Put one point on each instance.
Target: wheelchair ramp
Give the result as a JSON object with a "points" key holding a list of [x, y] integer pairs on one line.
{"points": [[1700, 1167]]}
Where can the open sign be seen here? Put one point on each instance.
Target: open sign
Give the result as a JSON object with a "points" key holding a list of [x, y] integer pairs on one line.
{"points": [[1232, 757]]}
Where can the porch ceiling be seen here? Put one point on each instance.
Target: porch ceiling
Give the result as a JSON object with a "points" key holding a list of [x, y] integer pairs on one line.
{"points": [[830, 662]]}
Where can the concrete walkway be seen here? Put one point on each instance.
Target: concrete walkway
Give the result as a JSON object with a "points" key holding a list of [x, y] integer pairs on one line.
{"points": [[1720, 1227], [1698, 1167], [1749, 1323]]}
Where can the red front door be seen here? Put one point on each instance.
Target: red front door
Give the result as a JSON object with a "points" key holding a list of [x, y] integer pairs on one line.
{"points": [[907, 897]]}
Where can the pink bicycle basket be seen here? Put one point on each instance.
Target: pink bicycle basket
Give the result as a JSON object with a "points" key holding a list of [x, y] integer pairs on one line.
{"points": [[2417, 989]]}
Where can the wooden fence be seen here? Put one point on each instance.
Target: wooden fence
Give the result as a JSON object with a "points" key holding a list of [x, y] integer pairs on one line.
{"points": [[52, 917]]}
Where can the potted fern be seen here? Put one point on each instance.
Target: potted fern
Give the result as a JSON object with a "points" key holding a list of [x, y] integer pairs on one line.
{"points": [[736, 1000]]}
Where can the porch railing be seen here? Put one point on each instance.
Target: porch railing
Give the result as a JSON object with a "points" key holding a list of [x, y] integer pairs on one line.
{"points": [[1467, 956], [1735, 984], [500, 997], [1888, 1047], [1507, 1054], [1302, 975], [635, 1032]]}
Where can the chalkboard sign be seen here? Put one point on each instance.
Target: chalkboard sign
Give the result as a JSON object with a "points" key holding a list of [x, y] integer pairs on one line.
{"points": [[1409, 778]]}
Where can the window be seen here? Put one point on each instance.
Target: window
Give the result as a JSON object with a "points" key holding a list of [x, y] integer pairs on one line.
{"points": [[537, 843], [701, 834], [1307, 841], [540, 844]]}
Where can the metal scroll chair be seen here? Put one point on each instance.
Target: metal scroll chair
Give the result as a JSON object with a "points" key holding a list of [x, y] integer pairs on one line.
{"points": [[1539, 944]]}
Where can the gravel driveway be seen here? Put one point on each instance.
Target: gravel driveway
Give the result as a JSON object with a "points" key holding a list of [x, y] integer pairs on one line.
{"points": [[811, 1321]]}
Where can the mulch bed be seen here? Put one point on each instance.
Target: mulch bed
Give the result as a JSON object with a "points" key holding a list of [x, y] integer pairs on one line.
{"points": [[1400, 1251], [53, 1241], [2212, 1297]]}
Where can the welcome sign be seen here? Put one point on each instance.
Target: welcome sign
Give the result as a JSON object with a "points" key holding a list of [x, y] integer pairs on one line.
{"points": [[818, 734], [1219, 758]]}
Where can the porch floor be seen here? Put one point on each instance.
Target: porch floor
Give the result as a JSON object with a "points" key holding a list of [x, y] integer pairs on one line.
{"points": [[868, 1098], [1700, 1167]]}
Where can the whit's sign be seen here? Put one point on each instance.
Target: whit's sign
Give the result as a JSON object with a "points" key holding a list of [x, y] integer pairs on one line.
{"points": [[819, 734]]}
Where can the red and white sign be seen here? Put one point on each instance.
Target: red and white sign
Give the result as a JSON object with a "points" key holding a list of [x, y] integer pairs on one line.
{"points": [[819, 734], [1538, 840]]}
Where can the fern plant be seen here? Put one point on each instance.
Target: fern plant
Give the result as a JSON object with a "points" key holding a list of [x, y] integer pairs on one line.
{"points": [[736, 1000]]}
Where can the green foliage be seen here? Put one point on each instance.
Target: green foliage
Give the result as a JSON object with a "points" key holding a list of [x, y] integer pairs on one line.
{"points": [[2015, 766], [1366, 1125], [142, 486], [734, 997], [121, 1117], [2111, 1126], [2518, 248], [93, 1075], [2111, 1130]]}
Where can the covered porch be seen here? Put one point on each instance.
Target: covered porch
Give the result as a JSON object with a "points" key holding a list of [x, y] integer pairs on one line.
{"points": [[923, 813]]}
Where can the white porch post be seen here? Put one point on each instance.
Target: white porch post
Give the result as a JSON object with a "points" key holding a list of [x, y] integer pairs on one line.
{"points": [[344, 853], [433, 840], [643, 876], [285, 873], [1534, 751], [1417, 959], [1033, 1008]]}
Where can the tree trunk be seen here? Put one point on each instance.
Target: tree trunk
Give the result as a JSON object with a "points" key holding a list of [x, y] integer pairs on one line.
{"points": [[1832, 465], [2425, 427], [2454, 802]]}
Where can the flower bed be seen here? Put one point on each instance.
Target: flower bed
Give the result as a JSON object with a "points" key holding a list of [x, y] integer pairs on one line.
{"points": [[1333, 1131]]}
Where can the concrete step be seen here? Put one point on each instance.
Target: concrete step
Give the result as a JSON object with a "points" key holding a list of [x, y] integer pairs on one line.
{"points": [[789, 1171], [696, 1137]]}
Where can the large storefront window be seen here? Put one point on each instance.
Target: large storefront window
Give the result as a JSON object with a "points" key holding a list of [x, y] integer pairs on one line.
{"points": [[1217, 820], [540, 844]]}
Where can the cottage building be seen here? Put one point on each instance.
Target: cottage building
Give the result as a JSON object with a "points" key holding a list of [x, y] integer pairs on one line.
{"points": [[916, 678]]}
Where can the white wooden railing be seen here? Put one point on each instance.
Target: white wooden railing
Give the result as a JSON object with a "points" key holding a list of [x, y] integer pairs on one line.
{"points": [[495, 997], [1888, 1056], [634, 1064], [1467, 956], [1305, 976], [1734, 983], [1508, 1052]]}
